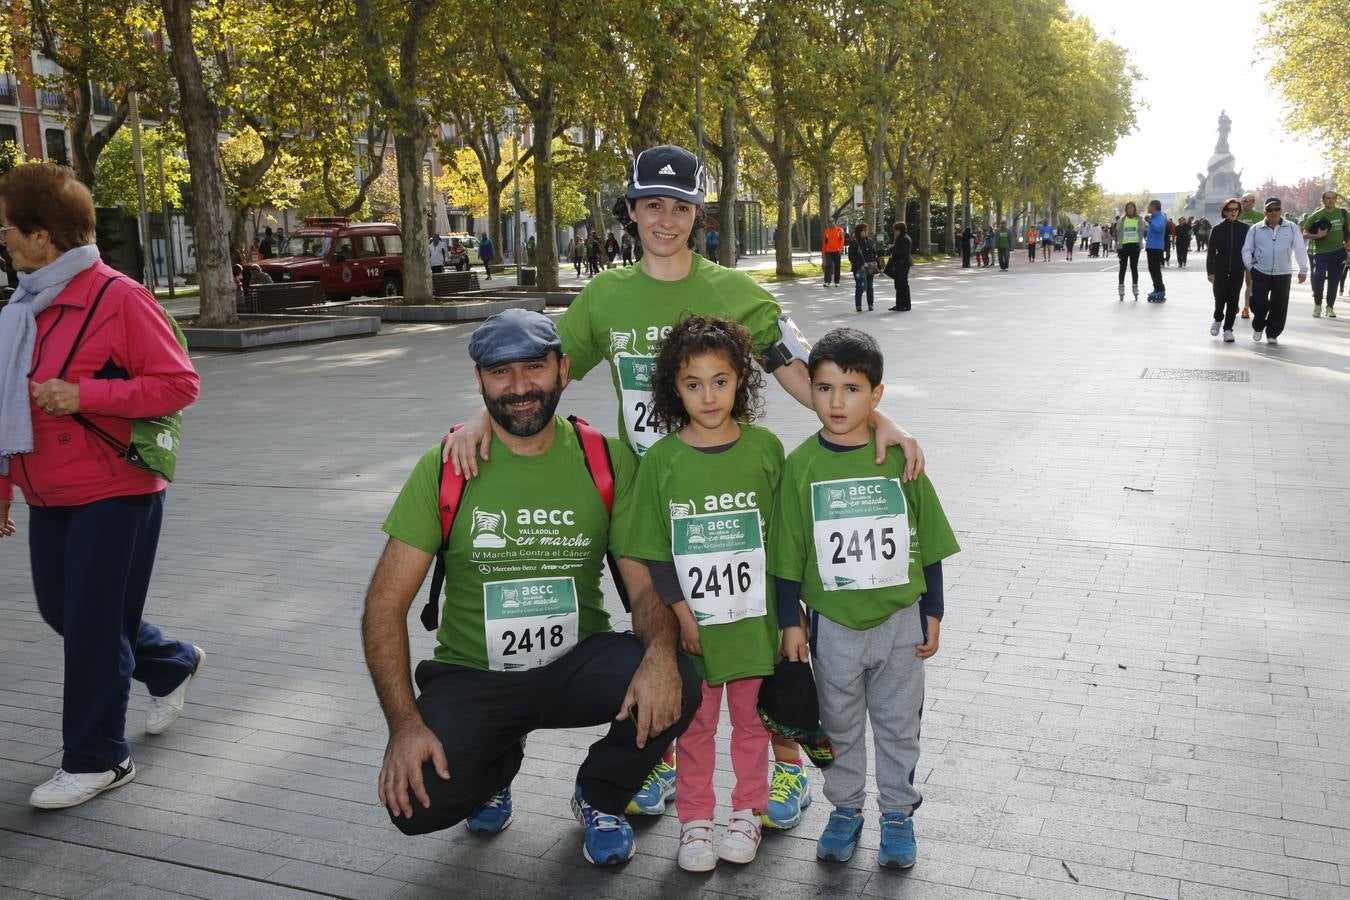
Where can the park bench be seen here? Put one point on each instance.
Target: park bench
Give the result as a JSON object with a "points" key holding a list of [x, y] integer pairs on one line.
{"points": [[279, 296], [444, 284]]}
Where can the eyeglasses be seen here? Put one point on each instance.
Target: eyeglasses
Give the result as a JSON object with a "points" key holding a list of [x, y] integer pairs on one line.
{"points": [[1273, 208], [1232, 209]]}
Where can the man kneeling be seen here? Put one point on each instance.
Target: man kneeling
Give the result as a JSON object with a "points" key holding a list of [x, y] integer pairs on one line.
{"points": [[524, 640]]}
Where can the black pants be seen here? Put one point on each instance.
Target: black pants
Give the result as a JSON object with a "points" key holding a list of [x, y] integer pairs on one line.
{"points": [[91, 571], [1129, 255], [1003, 258], [902, 286], [1031, 251], [1155, 261], [1227, 290], [1182, 250], [482, 717], [965, 254], [1270, 302], [832, 268], [1326, 271]]}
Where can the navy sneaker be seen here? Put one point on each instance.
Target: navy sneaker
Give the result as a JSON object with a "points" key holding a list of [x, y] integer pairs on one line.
{"points": [[656, 791], [492, 817], [840, 837], [609, 839], [898, 850]]}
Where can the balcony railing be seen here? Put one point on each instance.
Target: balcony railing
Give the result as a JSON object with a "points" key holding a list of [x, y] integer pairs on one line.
{"points": [[52, 100], [103, 106], [9, 91]]}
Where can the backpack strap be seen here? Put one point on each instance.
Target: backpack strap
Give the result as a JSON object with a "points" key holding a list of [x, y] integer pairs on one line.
{"points": [[450, 491], [119, 447], [601, 466]]}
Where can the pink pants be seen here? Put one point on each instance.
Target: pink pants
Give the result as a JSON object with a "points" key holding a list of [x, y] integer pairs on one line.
{"points": [[694, 797]]}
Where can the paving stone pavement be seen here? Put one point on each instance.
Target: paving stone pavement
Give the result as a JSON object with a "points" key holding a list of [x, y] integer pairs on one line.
{"points": [[1142, 689]]}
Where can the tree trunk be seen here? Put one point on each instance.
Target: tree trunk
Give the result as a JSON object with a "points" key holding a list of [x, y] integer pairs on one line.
{"points": [[201, 128], [412, 205], [874, 177], [826, 199], [926, 220], [782, 236], [965, 202], [239, 216], [494, 215], [728, 189], [546, 244], [901, 184], [950, 242], [799, 209]]}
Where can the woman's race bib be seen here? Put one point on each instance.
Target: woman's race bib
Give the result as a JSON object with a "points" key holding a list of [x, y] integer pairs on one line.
{"points": [[861, 532], [529, 622], [720, 560], [635, 388]]}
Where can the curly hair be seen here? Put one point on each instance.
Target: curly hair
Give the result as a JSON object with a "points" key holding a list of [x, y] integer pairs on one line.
{"points": [[625, 219], [690, 337]]}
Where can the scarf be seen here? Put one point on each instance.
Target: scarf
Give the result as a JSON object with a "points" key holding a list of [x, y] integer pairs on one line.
{"points": [[18, 335]]}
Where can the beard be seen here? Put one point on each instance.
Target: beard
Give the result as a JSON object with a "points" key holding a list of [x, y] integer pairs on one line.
{"points": [[524, 424]]}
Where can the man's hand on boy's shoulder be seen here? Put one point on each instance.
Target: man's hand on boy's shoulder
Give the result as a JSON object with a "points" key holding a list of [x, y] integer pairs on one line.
{"points": [[930, 646]]}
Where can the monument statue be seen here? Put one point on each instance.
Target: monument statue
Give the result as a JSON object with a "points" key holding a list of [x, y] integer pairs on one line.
{"points": [[1220, 180]]}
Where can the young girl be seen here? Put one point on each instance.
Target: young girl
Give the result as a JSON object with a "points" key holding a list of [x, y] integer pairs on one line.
{"points": [[704, 494]]}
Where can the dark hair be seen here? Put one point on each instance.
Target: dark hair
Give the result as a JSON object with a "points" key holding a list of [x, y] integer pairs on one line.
{"points": [[1128, 204], [1231, 200], [625, 218], [691, 336], [851, 350], [900, 228], [49, 197], [858, 230]]}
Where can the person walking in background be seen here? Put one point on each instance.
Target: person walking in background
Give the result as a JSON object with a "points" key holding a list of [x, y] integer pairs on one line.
{"points": [[1046, 234], [487, 252], [1003, 241], [1155, 245], [898, 267], [66, 429], [862, 257], [1252, 216], [626, 245], [578, 252], [438, 253], [987, 255], [967, 244], [1328, 231], [1183, 240], [1268, 252], [1070, 238], [831, 251], [611, 250], [1131, 232], [1225, 268], [1033, 238]]}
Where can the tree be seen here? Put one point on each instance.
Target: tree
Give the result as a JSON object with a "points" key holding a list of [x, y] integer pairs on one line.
{"points": [[1303, 41], [200, 119], [115, 178]]}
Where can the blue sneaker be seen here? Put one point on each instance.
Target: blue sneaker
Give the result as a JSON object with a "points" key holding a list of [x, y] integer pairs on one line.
{"points": [[898, 850], [609, 839], [492, 817], [655, 793], [789, 794], [840, 837]]}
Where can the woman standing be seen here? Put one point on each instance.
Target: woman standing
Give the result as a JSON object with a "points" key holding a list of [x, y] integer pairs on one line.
{"points": [[898, 267], [1129, 231], [862, 256], [83, 352], [1184, 228], [1223, 262]]}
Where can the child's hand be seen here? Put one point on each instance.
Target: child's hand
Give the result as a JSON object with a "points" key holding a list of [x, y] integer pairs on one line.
{"points": [[794, 647], [930, 646], [689, 641]]}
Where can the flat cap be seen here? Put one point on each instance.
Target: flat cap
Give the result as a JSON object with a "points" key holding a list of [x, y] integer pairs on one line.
{"points": [[513, 335]]}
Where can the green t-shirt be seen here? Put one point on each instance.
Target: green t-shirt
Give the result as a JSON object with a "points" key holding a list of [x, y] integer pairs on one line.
{"points": [[1004, 239], [1335, 236], [855, 514], [1251, 216], [708, 513], [522, 571], [623, 315]]}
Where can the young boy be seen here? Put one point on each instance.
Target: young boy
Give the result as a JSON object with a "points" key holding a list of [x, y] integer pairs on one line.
{"points": [[838, 542]]}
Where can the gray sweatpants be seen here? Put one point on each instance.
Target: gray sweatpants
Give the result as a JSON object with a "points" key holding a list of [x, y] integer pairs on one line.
{"points": [[871, 674]]}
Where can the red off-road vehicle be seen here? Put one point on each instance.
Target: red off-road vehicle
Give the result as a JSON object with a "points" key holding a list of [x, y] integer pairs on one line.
{"points": [[348, 258]]}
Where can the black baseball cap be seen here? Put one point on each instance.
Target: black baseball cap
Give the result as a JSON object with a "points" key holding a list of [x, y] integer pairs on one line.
{"points": [[789, 709], [513, 335], [666, 171], [1271, 201], [1322, 224]]}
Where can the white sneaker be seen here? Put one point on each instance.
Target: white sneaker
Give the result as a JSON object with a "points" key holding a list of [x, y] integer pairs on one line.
{"points": [[1214, 330], [65, 789], [1256, 337], [1272, 341], [1228, 337], [164, 711], [696, 846], [741, 842]]}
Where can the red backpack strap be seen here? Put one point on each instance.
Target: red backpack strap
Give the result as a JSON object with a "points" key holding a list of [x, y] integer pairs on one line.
{"points": [[601, 466], [450, 492]]}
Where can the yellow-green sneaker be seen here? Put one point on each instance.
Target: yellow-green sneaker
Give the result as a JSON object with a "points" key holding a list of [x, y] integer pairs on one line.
{"points": [[789, 794], [656, 791]]}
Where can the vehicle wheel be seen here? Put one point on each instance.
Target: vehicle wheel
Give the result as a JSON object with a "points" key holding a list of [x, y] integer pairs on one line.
{"points": [[392, 286]]}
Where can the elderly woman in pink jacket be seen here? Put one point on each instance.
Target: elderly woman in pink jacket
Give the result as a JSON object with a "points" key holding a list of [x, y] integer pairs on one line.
{"points": [[84, 352]]}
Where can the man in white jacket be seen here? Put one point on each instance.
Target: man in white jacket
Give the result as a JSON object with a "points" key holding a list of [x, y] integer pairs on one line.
{"points": [[1268, 253]]}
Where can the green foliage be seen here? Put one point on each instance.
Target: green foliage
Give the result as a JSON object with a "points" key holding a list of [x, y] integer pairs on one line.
{"points": [[1305, 40], [11, 155], [115, 174]]}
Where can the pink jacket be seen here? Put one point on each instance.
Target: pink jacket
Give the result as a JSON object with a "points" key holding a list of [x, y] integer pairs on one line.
{"points": [[128, 366]]}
